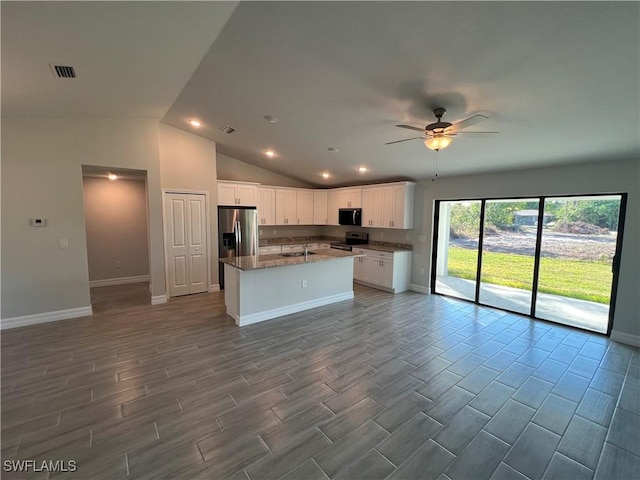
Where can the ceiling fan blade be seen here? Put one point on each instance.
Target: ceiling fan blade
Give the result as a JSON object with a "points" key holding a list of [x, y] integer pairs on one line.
{"points": [[405, 140], [417, 129], [468, 122], [474, 134], [467, 133]]}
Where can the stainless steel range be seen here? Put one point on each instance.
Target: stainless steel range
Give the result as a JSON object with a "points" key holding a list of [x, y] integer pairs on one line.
{"points": [[351, 239]]}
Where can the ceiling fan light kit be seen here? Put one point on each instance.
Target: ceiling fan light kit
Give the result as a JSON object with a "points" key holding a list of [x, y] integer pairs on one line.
{"points": [[437, 142], [439, 135]]}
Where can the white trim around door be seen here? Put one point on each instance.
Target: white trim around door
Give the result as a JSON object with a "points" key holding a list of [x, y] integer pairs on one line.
{"points": [[165, 221]]}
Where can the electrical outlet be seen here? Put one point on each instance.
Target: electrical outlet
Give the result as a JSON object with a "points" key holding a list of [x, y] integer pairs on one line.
{"points": [[64, 243], [422, 271], [303, 284]]}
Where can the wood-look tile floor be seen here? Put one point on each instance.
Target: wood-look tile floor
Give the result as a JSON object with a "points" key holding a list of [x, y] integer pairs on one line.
{"points": [[386, 386]]}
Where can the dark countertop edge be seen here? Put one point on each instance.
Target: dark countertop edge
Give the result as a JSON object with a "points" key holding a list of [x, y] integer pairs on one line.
{"points": [[276, 261], [379, 246]]}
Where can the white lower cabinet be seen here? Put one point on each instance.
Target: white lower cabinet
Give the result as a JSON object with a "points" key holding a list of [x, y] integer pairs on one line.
{"points": [[389, 271]]}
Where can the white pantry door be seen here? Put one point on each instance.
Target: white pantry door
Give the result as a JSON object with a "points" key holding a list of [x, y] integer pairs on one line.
{"points": [[187, 250]]}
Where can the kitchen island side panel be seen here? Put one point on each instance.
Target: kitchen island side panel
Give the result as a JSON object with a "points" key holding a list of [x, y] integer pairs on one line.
{"points": [[272, 292]]}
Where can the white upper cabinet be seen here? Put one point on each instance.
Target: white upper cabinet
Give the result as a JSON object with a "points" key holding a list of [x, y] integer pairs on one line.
{"points": [[372, 207], [388, 205], [397, 205], [239, 194], [266, 206], [286, 206], [304, 206], [320, 212], [350, 197], [333, 204]]}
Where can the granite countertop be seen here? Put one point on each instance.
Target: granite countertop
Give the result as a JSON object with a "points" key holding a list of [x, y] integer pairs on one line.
{"points": [[387, 247], [257, 262], [379, 246]]}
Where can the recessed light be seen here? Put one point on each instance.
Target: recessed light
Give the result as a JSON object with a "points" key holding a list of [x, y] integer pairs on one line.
{"points": [[112, 176], [194, 123], [362, 169], [271, 118], [326, 175], [333, 149], [270, 153]]}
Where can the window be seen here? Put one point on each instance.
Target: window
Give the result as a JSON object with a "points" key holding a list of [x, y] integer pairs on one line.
{"points": [[553, 258]]}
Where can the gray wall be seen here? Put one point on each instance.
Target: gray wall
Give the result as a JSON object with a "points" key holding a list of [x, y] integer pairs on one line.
{"points": [[42, 176], [188, 163], [601, 177], [115, 215], [229, 168]]}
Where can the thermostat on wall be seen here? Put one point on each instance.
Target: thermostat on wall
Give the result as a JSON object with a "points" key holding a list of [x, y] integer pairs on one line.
{"points": [[38, 222]]}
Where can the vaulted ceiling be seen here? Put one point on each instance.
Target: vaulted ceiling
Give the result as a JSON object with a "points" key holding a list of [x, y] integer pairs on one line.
{"points": [[560, 81]]}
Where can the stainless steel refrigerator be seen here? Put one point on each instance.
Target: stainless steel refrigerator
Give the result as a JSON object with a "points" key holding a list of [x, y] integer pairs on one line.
{"points": [[237, 234]]}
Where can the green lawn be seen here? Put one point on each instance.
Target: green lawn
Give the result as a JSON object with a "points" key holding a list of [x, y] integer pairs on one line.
{"points": [[558, 276]]}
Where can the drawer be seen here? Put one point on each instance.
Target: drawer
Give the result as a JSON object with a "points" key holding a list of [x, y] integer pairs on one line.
{"points": [[272, 249], [377, 254]]}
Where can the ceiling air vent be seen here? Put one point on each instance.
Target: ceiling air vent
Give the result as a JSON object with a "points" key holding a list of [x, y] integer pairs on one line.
{"points": [[63, 71], [227, 129]]}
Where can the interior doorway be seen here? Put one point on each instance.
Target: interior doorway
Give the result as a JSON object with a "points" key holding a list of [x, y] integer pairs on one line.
{"points": [[186, 242], [553, 258], [117, 234]]}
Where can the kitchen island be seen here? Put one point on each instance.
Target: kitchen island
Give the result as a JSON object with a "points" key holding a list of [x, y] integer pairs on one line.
{"points": [[263, 287]]}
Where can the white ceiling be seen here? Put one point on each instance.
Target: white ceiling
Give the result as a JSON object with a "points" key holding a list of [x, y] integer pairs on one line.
{"points": [[560, 81], [132, 58]]}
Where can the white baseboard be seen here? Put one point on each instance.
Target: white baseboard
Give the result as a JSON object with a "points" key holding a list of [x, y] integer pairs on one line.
{"points": [[45, 317], [107, 282], [214, 288], [419, 288], [627, 338], [158, 299], [244, 320], [373, 285]]}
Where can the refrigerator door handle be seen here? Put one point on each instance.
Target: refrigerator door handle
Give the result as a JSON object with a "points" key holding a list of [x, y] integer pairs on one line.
{"points": [[238, 238]]}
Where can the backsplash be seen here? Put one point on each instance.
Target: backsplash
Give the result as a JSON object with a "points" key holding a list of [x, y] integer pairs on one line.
{"points": [[273, 235], [385, 235], [265, 232]]}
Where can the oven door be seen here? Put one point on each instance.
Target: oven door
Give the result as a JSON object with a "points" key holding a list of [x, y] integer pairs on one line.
{"points": [[350, 216]]}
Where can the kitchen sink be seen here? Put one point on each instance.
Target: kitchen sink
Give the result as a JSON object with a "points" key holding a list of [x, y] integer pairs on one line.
{"points": [[296, 254]]}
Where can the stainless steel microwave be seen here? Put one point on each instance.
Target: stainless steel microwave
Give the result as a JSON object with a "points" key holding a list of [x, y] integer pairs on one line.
{"points": [[350, 216]]}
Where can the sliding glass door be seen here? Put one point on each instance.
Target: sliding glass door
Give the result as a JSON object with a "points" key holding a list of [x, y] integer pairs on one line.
{"points": [[553, 258], [457, 264], [508, 254], [576, 261]]}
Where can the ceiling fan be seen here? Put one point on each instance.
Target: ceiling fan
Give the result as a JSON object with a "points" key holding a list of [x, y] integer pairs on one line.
{"points": [[440, 134]]}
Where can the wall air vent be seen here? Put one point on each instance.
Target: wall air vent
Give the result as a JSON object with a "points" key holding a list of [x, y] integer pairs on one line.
{"points": [[227, 129], [63, 71]]}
